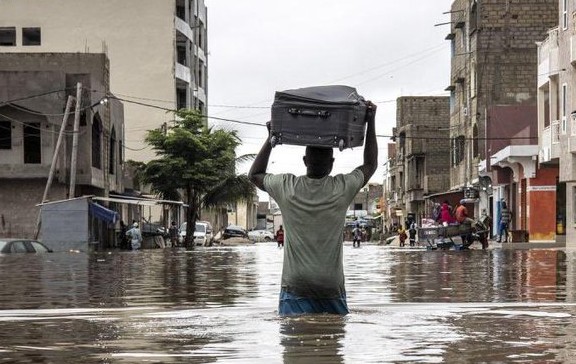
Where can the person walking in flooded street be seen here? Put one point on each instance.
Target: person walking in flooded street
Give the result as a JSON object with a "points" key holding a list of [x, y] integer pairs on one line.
{"points": [[173, 234], [135, 236], [505, 218], [314, 211], [356, 236], [280, 237]]}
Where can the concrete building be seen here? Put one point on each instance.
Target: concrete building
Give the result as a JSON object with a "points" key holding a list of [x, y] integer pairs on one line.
{"points": [[418, 165], [557, 123], [34, 88], [493, 108], [157, 51]]}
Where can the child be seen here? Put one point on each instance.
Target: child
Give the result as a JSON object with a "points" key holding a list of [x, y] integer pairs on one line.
{"points": [[402, 235]]}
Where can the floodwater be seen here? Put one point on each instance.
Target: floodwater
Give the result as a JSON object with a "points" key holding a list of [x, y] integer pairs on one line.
{"points": [[219, 305]]}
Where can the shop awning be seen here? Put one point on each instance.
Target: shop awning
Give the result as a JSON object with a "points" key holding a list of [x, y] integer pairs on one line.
{"points": [[102, 213]]}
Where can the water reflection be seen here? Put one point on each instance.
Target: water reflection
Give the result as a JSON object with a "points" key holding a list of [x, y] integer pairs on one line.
{"points": [[219, 304], [312, 339]]}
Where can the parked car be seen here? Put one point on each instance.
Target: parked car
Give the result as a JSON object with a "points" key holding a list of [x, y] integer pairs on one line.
{"points": [[203, 234], [233, 231], [261, 235], [11, 246]]}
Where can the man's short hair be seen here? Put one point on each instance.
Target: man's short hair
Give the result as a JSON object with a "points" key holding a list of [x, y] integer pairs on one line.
{"points": [[316, 155]]}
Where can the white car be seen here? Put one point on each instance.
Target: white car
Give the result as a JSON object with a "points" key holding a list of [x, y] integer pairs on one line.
{"points": [[260, 235], [203, 234]]}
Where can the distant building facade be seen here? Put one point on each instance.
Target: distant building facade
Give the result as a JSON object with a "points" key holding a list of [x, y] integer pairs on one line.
{"points": [[34, 88], [557, 124], [157, 51], [419, 162], [493, 108]]}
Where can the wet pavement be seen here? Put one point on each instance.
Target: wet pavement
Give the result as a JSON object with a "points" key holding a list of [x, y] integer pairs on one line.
{"points": [[219, 305]]}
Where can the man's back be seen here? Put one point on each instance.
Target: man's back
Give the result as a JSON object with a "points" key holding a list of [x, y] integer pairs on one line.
{"points": [[313, 212]]}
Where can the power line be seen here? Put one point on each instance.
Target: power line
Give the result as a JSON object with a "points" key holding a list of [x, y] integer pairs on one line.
{"points": [[2, 103]]}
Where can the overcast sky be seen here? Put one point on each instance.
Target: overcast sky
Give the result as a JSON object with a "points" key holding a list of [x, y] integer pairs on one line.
{"points": [[383, 48]]}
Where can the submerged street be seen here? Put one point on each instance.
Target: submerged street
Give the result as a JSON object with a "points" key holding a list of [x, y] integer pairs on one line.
{"points": [[219, 305]]}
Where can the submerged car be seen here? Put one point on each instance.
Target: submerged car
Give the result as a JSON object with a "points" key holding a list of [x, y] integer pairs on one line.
{"points": [[260, 235], [15, 246], [233, 231]]}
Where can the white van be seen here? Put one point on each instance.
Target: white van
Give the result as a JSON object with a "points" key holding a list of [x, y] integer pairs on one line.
{"points": [[203, 234]]}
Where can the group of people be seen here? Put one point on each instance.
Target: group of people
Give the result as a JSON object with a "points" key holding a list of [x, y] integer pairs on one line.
{"points": [[445, 215]]}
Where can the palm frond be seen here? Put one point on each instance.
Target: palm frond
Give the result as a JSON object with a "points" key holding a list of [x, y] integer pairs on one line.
{"points": [[231, 189]]}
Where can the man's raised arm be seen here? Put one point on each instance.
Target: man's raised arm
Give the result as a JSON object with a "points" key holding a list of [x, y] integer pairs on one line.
{"points": [[260, 164], [370, 145]]}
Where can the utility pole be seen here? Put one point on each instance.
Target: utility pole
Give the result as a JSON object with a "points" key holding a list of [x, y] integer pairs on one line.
{"points": [[74, 158], [54, 160]]}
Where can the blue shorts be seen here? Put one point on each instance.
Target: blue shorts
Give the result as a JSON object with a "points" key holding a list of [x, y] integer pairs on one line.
{"points": [[291, 305]]}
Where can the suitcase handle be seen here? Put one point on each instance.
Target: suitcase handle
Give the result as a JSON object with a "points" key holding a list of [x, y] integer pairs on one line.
{"points": [[312, 113]]}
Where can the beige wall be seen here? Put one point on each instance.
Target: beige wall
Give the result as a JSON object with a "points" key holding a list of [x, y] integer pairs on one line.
{"points": [[137, 35]]}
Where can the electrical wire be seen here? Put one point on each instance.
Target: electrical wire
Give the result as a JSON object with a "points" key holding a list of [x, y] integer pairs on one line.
{"points": [[2, 103]]}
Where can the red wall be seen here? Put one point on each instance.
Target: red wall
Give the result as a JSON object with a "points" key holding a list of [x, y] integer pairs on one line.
{"points": [[542, 204]]}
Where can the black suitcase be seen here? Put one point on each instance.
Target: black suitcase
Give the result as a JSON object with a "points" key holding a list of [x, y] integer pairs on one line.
{"points": [[324, 116]]}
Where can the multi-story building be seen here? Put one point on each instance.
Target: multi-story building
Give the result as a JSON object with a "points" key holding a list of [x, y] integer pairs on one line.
{"points": [[157, 51], [493, 112], [557, 121], [34, 92], [419, 165]]}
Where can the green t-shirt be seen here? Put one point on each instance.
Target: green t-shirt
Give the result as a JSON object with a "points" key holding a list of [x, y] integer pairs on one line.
{"points": [[313, 214]]}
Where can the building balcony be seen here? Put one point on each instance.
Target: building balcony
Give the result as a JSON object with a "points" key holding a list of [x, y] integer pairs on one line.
{"points": [[183, 28], [183, 73], [548, 57], [550, 142]]}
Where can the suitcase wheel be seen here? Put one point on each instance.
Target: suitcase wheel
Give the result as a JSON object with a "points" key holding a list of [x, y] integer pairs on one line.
{"points": [[341, 145], [273, 141]]}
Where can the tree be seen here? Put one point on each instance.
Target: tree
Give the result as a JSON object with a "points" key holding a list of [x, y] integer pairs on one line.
{"points": [[197, 160]]}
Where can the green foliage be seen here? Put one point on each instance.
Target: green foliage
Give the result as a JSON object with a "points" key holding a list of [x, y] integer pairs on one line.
{"points": [[191, 154], [197, 160]]}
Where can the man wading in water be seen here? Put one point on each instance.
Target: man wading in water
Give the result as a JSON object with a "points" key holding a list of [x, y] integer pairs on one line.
{"points": [[314, 210]]}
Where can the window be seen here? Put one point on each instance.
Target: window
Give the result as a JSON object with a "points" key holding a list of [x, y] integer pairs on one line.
{"points": [[112, 153], [201, 74], [458, 145], [5, 135], [201, 107], [563, 106], [200, 34], [181, 98], [120, 152], [546, 106], [475, 146], [181, 12], [18, 247], [473, 80], [7, 36], [31, 36], [96, 142], [564, 14], [32, 145], [181, 54], [473, 16]]}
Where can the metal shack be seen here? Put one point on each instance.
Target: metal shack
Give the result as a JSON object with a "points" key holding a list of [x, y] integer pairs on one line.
{"points": [[77, 224]]}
